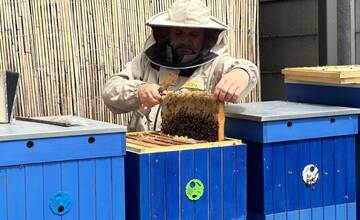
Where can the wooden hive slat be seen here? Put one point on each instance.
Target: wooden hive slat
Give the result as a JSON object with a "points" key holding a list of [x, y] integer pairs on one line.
{"points": [[326, 74], [151, 142]]}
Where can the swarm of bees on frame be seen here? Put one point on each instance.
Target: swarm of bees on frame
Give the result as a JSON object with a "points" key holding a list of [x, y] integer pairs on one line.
{"points": [[192, 115]]}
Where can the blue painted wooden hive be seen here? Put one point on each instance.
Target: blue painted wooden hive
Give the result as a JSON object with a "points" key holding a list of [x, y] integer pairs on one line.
{"points": [[301, 159], [53, 172], [329, 85], [176, 178]]}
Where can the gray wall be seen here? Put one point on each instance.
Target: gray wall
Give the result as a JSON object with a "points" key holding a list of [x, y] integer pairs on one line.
{"points": [[288, 37], [357, 23]]}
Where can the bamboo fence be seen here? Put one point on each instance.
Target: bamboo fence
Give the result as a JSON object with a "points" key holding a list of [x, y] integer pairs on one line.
{"points": [[67, 49]]}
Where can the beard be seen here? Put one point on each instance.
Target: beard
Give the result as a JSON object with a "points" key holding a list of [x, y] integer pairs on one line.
{"points": [[183, 50]]}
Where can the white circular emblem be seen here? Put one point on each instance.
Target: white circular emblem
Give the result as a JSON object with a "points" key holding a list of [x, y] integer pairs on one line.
{"points": [[310, 174]]}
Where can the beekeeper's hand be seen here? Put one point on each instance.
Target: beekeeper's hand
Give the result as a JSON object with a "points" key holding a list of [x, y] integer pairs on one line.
{"points": [[231, 85], [149, 95]]}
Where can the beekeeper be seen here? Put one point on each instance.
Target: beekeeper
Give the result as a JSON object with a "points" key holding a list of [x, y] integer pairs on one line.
{"points": [[187, 40]]}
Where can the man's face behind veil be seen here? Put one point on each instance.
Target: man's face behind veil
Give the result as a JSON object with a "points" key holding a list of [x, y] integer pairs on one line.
{"points": [[186, 41]]}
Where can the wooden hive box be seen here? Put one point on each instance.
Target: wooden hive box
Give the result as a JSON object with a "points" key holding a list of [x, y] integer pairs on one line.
{"points": [[174, 178], [69, 173], [324, 74], [302, 159]]}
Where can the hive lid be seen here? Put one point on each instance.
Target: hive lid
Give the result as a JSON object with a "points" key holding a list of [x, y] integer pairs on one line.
{"points": [[279, 121], [20, 130], [151, 142], [349, 74], [282, 110]]}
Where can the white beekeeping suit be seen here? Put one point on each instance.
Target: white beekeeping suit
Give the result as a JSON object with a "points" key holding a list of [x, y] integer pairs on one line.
{"points": [[155, 61]]}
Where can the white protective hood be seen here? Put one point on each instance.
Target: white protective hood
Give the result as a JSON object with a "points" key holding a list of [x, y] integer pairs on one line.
{"points": [[187, 13]]}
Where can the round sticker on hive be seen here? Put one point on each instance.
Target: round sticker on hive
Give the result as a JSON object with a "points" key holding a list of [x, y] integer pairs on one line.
{"points": [[194, 189], [310, 174], [60, 203]]}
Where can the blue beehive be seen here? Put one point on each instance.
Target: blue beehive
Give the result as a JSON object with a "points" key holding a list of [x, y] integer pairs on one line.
{"points": [[52, 172], [301, 159], [171, 178], [329, 85], [321, 93]]}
